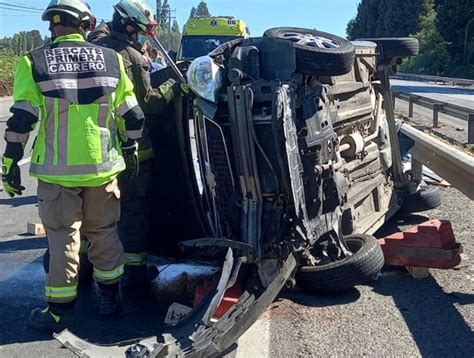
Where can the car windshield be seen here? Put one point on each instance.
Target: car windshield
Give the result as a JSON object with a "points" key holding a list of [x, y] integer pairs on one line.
{"points": [[196, 46]]}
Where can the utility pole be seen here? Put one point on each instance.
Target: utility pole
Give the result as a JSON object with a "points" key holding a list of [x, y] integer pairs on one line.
{"points": [[169, 16]]}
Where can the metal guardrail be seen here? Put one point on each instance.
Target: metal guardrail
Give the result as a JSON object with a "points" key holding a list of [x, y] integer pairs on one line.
{"points": [[453, 110], [450, 163], [449, 80]]}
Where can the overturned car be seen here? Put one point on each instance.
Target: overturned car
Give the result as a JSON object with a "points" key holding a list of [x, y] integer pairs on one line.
{"points": [[277, 168]]}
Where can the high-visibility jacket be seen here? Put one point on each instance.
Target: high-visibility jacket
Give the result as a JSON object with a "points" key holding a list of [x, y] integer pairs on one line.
{"points": [[152, 101], [86, 104]]}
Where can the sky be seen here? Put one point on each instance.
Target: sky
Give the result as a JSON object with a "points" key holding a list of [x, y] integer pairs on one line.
{"points": [[325, 15]]}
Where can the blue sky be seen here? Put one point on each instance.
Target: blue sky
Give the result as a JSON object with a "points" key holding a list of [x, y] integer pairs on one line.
{"points": [[326, 15]]}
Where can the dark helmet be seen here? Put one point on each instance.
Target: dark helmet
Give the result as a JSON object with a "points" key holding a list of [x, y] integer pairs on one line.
{"points": [[139, 13]]}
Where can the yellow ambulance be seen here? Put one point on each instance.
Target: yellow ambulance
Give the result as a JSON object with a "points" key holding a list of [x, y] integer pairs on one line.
{"points": [[202, 35]]}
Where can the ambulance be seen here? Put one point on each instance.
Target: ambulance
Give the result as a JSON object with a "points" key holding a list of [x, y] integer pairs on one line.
{"points": [[202, 35]]}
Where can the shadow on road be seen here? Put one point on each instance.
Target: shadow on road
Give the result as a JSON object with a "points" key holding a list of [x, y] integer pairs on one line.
{"points": [[32, 243], [19, 201], [431, 316], [21, 290], [320, 300]]}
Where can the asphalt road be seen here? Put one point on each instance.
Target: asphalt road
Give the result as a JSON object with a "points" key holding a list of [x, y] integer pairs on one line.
{"points": [[396, 316]]}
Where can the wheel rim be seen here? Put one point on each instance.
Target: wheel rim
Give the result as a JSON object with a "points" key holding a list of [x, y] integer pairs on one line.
{"points": [[310, 40]]}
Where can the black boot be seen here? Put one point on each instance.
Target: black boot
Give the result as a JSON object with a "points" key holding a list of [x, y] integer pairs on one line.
{"points": [[85, 270], [55, 317], [109, 299]]}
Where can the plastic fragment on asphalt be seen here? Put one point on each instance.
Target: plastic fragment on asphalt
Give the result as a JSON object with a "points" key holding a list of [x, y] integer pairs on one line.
{"points": [[35, 229], [176, 312]]}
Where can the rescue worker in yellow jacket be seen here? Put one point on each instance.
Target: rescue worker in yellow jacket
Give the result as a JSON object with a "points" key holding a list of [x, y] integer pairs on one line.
{"points": [[134, 20], [89, 117]]}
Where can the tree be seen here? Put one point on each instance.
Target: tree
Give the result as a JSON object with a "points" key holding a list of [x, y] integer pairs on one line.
{"points": [[158, 10], [456, 25], [365, 23], [164, 16], [36, 39], [169, 34], [434, 57], [175, 27], [202, 9]]}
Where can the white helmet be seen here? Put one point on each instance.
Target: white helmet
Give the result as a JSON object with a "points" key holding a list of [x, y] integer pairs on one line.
{"points": [[140, 13], [77, 9]]}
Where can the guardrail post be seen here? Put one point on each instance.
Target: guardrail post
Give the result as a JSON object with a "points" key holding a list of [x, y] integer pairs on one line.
{"points": [[436, 108], [411, 102], [470, 129]]}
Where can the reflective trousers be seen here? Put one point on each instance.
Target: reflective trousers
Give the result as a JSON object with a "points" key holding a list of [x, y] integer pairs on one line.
{"points": [[136, 195], [67, 212]]}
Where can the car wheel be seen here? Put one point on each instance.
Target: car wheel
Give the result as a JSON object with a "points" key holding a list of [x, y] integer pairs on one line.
{"points": [[396, 46], [426, 198], [317, 53], [363, 266]]}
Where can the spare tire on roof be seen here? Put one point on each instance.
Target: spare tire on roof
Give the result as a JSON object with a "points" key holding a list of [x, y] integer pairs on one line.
{"points": [[390, 47]]}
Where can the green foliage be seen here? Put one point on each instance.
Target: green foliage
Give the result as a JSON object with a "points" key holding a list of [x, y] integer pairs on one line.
{"points": [[456, 25], [21, 43], [384, 18], [434, 57], [169, 33], [7, 73], [200, 10]]}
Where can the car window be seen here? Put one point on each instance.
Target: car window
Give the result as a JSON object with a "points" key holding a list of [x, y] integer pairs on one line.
{"points": [[196, 46]]}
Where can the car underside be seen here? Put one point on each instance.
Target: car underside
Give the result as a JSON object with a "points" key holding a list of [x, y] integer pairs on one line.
{"points": [[278, 178]]}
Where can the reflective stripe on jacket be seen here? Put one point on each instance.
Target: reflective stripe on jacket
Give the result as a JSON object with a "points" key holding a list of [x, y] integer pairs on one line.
{"points": [[84, 97]]}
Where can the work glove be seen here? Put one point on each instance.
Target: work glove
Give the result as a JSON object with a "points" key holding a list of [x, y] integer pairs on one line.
{"points": [[11, 177], [130, 156]]}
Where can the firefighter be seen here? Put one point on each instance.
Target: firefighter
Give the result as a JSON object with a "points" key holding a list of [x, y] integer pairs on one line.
{"points": [[133, 21], [89, 117]]}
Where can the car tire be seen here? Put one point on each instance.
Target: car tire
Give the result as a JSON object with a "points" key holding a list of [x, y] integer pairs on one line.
{"points": [[426, 198], [363, 266], [391, 47], [314, 60]]}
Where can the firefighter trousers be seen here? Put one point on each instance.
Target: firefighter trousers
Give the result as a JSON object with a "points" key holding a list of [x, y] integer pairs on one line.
{"points": [[136, 195], [65, 212]]}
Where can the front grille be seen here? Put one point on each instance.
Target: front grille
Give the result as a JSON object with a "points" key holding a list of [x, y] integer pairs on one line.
{"points": [[219, 156]]}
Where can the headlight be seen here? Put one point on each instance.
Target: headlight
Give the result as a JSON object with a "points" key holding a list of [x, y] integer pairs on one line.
{"points": [[205, 78]]}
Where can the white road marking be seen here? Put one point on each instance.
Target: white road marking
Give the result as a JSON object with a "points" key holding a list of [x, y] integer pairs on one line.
{"points": [[24, 161], [255, 343]]}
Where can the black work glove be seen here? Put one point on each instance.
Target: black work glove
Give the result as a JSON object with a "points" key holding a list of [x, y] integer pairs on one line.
{"points": [[130, 156], [11, 177]]}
